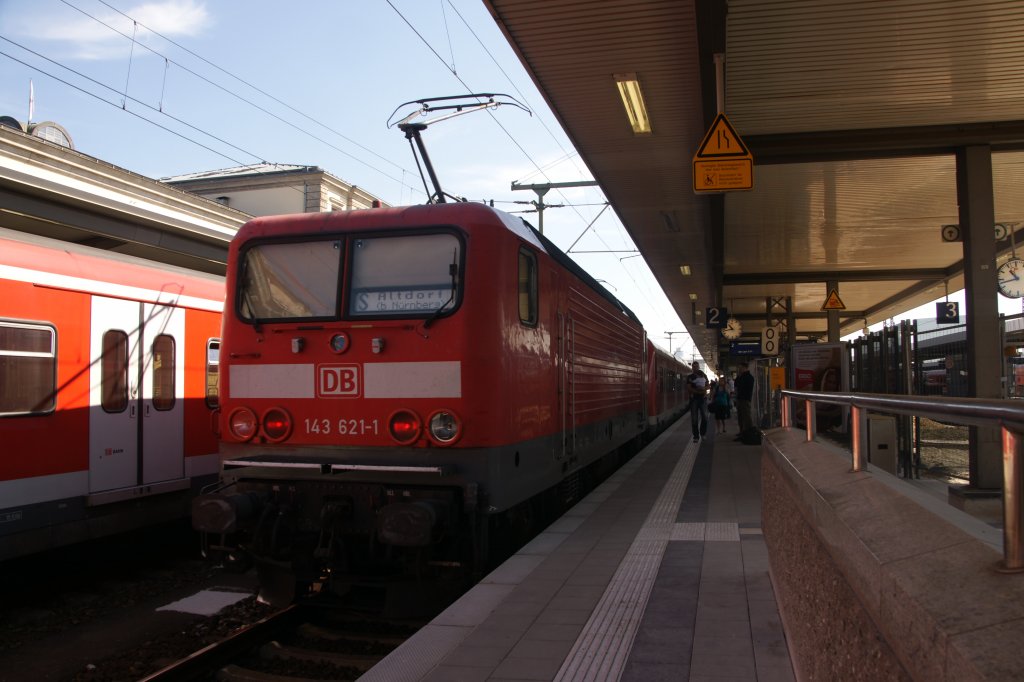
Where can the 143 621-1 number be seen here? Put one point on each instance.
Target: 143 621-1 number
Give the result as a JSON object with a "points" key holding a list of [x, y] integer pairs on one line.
{"points": [[343, 427]]}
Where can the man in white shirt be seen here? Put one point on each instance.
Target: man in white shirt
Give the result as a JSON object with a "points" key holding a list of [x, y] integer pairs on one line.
{"points": [[697, 385]]}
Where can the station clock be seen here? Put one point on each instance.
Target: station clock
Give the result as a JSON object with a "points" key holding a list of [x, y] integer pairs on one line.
{"points": [[732, 329], [1010, 278]]}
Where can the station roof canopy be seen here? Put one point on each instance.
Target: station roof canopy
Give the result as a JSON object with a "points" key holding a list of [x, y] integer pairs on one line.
{"points": [[852, 111]]}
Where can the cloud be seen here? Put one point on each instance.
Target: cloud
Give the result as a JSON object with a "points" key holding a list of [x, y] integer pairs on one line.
{"points": [[85, 37]]}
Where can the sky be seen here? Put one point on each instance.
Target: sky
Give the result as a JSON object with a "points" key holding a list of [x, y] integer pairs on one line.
{"points": [[170, 87]]}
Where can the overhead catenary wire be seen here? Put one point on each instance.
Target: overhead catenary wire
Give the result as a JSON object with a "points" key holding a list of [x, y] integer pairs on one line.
{"points": [[511, 137], [629, 274], [243, 82], [483, 45], [451, 50], [239, 97], [539, 170], [113, 104], [125, 109]]}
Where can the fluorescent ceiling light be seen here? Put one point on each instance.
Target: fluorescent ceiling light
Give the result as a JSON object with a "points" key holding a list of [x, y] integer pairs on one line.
{"points": [[693, 297], [633, 100], [685, 269]]}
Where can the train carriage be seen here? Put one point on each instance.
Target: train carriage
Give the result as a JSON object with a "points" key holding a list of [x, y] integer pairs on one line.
{"points": [[393, 378], [666, 387], [107, 389]]}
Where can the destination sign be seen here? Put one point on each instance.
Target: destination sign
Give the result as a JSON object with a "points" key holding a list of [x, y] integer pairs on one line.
{"points": [[375, 301]]}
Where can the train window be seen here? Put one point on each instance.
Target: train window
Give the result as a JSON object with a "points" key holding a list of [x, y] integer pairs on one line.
{"points": [[28, 369], [114, 371], [213, 373], [297, 280], [527, 287], [163, 372], [405, 276]]}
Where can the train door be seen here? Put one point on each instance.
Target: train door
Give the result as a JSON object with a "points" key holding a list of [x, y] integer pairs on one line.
{"points": [[113, 394], [136, 421], [163, 393]]}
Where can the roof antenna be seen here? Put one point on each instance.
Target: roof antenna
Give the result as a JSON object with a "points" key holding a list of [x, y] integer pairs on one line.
{"points": [[456, 107]]}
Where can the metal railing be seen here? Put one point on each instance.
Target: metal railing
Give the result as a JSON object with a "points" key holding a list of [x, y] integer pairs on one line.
{"points": [[1006, 415]]}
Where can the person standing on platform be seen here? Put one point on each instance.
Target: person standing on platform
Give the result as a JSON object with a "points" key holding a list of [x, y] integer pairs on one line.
{"points": [[721, 405], [697, 385], [744, 396]]}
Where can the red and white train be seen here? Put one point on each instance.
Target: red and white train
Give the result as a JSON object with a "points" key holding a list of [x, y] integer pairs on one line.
{"points": [[108, 380], [393, 380]]}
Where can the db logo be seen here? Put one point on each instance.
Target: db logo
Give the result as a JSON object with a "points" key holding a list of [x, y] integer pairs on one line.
{"points": [[337, 381]]}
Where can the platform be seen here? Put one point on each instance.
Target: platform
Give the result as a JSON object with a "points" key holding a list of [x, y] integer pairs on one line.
{"points": [[661, 573]]}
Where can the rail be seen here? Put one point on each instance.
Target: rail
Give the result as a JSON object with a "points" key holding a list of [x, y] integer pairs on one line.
{"points": [[1006, 415]]}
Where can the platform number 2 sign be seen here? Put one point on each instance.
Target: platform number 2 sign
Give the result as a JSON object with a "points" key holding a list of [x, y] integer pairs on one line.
{"points": [[716, 317], [770, 340]]}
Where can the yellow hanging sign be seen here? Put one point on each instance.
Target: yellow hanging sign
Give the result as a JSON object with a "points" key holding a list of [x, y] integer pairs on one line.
{"points": [[722, 161], [833, 302]]}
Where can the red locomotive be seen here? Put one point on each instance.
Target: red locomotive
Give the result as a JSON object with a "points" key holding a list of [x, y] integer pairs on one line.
{"points": [[396, 382], [107, 385]]}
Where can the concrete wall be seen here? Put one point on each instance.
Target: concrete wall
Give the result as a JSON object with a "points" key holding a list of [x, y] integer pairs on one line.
{"points": [[872, 585]]}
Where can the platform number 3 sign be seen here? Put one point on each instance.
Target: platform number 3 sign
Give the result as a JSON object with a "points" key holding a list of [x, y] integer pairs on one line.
{"points": [[770, 340], [947, 312]]}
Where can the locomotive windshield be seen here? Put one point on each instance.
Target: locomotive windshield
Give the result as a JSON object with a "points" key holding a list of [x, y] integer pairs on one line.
{"points": [[387, 276], [290, 280], [405, 275]]}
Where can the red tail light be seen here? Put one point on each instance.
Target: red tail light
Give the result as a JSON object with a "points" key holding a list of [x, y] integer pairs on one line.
{"points": [[277, 424], [405, 426]]}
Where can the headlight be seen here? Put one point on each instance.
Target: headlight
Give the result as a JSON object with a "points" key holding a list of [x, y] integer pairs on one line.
{"points": [[404, 426], [277, 424], [445, 427], [339, 342], [242, 424]]}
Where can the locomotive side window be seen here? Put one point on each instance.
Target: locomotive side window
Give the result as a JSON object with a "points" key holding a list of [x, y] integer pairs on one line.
{"points": [[212, 373], [163, 372], [28, 369], [527, 287], [114, 371], [403, 276], [297, 280]]}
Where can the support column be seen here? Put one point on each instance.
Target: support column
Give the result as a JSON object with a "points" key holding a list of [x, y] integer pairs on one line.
{"points": [[833, 315], [984, 355]]}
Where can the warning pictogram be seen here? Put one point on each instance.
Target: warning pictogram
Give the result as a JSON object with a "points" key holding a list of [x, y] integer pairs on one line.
{"points": [[833, 302], [722, 161], [721, 141]]}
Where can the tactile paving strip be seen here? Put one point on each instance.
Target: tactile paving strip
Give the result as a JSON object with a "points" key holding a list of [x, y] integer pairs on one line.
{"points": [[601, 650], [688, 531], [722, 532], [708, 532]]}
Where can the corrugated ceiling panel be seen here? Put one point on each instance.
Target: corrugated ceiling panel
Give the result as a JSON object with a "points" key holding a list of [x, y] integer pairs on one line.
{"points": [[805, 65], [1007, 171], [853, 215]]}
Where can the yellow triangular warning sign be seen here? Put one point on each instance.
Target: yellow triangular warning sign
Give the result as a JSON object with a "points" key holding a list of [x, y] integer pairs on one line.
{"points": [[833, 302], [721, 141]]}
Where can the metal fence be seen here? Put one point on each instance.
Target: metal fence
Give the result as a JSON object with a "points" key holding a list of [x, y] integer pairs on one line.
{"points": [[925, 359], [1006, 415]]}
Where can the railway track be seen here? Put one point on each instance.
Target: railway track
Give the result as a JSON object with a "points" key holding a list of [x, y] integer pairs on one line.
{"points": [[300, 642]]}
